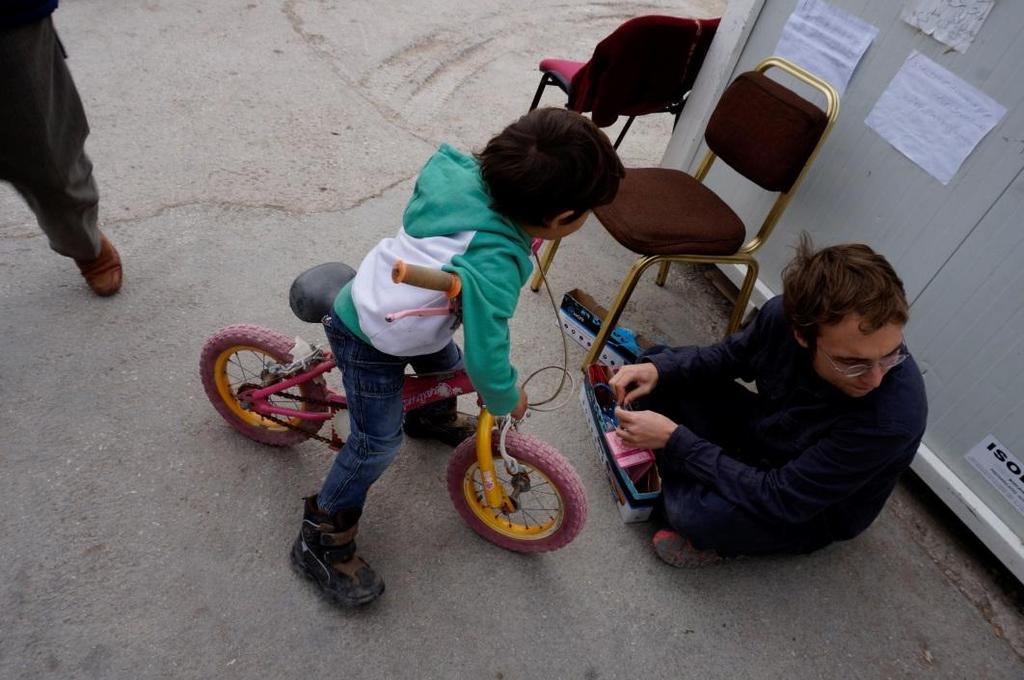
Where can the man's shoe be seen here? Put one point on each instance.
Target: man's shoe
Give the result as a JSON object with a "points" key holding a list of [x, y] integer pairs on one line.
{"points": [[445, 424], [103, 274], [679, 552], [325, 553]]}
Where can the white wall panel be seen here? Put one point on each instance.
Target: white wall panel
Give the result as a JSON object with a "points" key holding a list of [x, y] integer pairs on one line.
{"points": [[967, 332]]}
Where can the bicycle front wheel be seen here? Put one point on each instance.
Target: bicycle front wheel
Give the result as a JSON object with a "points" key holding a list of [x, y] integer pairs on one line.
{"points": [[236, 358], [548, 511]]}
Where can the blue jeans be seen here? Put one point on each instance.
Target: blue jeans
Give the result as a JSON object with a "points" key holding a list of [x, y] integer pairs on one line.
{"points": [[373, 389]]}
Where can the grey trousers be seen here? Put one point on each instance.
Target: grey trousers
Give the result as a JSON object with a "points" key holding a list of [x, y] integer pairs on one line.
{"points": [[42, 137]]}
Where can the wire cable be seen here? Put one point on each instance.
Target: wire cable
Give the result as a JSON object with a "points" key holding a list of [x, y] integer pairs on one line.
{"points": [[565, 355]]}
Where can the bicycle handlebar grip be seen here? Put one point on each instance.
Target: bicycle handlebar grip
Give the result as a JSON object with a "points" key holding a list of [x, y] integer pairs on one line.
{"points": [[426, 277]]}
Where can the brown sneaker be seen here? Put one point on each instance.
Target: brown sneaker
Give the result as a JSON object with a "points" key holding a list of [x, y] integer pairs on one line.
{"points": [[679, 552], [104, 273]]}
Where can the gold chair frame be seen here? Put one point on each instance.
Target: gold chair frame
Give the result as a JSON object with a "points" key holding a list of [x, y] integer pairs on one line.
{"points": [[743, 256]]}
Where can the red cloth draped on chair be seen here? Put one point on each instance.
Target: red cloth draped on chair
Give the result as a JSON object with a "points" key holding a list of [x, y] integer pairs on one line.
{"points": [[645, 66]]}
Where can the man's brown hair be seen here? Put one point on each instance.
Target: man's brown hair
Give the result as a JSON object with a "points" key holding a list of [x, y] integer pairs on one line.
{"points": [[821, 288], [547, 162]]}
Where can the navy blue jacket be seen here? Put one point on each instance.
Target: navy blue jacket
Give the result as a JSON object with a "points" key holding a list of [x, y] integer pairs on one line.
{"points": [[816, 449], [14, 13]]}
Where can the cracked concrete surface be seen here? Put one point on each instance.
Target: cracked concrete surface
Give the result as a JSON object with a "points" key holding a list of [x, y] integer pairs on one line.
{"points": [[239, 142]]}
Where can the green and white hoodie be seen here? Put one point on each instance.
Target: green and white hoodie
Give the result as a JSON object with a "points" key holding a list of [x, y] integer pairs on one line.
{"points": [[448, 224]]}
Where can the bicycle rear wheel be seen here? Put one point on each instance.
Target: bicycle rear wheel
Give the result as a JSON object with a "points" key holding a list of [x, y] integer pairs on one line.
{"points": [[548, 514], [235, 359]]}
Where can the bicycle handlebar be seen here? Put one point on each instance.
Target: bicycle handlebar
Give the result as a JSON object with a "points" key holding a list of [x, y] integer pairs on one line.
{"points": [[426, 277]]}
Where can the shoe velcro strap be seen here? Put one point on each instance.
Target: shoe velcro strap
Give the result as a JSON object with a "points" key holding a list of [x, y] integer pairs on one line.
{"points": [[339, 538]]}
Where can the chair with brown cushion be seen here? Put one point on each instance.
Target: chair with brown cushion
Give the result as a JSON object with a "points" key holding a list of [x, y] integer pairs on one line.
{"points": [[647, 65], [762, 130]]}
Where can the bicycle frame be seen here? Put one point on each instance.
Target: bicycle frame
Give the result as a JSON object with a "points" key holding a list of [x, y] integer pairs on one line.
{"points": [[417, 391]]}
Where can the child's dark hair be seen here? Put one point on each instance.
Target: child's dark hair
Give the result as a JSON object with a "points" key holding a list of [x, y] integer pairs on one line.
{"points": [[547, 162]]}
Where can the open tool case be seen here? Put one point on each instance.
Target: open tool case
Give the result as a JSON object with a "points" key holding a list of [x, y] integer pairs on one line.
{"points": [[632, 473]]}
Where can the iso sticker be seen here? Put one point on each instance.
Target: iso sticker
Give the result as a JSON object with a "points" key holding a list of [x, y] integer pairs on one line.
{"points": [[1000, 468]]}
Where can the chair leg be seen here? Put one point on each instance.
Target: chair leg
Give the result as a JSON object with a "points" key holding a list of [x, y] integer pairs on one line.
{"points": [[625, 129], [545, 80], [662, 273], [612, 318], [546, 258], [743, 298]]}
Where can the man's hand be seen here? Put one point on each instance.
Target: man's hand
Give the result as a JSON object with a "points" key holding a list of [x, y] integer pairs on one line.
{"points": [[633, 381], [644, 429], [520, 410]]}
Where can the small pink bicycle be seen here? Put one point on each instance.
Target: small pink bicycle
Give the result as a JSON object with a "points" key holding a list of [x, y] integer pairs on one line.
{"points": [[515, 491]]}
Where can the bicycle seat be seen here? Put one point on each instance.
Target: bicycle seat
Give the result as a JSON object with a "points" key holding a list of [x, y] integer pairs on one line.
{"points": [[313, 291]]}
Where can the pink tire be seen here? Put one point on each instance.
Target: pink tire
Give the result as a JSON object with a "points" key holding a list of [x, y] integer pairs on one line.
{"points": [[549, 516], [234, 357]]}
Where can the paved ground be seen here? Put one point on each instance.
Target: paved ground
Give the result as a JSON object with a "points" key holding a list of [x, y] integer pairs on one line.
{"points": [[237, 143]]}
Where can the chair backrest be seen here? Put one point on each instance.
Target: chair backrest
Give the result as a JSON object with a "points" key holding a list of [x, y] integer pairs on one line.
{"points": [[769, 134], [764, 131], [645, 66]]}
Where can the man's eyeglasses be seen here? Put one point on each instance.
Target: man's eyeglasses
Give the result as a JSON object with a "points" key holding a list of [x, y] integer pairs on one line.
{"points": [[852, 369]]}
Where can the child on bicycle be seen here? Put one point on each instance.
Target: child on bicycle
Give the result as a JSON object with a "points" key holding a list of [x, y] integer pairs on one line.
{"points": [[475, 216]]}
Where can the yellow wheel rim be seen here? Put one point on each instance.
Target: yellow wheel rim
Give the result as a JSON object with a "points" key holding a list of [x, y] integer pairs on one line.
{"points": [[227, 384], [540, 511]]}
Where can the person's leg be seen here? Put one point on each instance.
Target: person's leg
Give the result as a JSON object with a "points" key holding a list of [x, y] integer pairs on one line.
{"points": [[42, 135], [710, 522], [441, 419], [721, 412], [707, 524], [325, 550], [373, 386], [445, 360]]}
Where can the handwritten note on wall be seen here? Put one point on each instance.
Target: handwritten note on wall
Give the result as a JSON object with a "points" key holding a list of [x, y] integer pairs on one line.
{"points": [[826, 41], [933, 117], [951, 22]]}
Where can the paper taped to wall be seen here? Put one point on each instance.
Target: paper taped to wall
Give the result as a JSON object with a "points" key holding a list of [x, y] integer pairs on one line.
{"points": [[952, 22], [826, 41], [933, 117]]}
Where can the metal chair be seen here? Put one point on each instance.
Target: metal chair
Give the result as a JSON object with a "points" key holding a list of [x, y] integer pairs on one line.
{"points": [[763, 131], [647, 65]]}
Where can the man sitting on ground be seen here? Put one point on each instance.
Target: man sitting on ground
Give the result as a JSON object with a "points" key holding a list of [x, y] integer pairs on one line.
{"points": [[811, 457]]}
